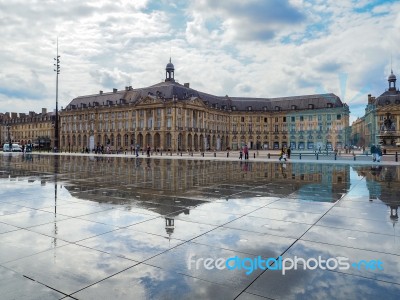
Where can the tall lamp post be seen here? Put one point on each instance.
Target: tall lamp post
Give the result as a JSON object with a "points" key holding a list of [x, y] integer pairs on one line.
{"points": [[57, 70], [9, 137]]}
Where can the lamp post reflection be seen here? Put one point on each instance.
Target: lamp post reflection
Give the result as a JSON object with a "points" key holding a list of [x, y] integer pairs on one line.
{"points": [[56, 167]]}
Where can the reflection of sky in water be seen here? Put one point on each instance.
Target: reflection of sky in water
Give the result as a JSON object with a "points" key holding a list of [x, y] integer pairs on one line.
{"points": [[161, 211]]}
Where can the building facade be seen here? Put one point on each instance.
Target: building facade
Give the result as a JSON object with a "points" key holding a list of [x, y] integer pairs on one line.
{"points": [[381, 122], [172, 116], [32, 128]]}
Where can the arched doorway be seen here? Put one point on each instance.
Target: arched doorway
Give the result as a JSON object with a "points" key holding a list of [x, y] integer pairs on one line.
{"points": [[180, 142], [196, 142], [168, 141], [189, 142], [149, 141], [214, 142], [157, 141], [140, 140], [118, 141]]}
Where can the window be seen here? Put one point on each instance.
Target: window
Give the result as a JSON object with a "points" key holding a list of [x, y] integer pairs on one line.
{"points": [[233, 107], [276, 119], [338, 117], [310, 106], [284, 119], [242, 119], [310, 118], [328, 117], [293, 107], [293, 119], [301, 118], [249, 108], [265, 120], [276, 128], [329, 105], [265, 108], [277, 108], [319, 117]]}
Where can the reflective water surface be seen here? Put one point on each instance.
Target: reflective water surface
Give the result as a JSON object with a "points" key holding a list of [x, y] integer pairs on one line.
{"points": [[123, 228]]}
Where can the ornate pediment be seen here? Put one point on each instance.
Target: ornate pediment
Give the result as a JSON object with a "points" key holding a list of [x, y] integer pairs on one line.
{"points": [[197, 102], [149, 100]]}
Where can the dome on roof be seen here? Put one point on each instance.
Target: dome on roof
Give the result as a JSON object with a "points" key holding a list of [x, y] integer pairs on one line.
{"points": [[170, 66], [392, 77]]}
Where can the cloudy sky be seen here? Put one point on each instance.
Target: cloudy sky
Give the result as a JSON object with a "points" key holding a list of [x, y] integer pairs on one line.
{"points": [[257, 48]]}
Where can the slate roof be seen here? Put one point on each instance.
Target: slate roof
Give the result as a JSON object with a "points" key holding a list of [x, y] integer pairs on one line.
{"points": [[388, 97], [168, 90]]}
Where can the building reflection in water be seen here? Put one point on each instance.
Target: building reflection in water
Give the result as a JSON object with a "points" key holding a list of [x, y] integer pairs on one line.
{"points": [[156, 184], [383, 183]]}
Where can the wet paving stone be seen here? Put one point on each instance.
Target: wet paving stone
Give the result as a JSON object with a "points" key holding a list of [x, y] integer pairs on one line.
{"points": [[148, 282], [69, 268], [17, 286]]}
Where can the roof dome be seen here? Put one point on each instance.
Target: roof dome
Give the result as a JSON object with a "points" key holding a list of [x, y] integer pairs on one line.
{"points": [[392, 77], [170, 66]]}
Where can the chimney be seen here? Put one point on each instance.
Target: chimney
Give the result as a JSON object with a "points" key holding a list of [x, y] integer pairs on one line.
{"points": [[115, 90], [130, 88], [101, 92], [126, 88], [371, 99], [187, 84], [44, 111]]}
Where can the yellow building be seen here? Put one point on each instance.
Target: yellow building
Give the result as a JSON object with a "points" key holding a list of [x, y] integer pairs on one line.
{"points": [[32, 128], [172, 116]]}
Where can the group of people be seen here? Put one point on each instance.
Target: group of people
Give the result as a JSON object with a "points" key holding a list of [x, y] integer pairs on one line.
{"points": [[244, 151], [285, 153], [376, 152]]}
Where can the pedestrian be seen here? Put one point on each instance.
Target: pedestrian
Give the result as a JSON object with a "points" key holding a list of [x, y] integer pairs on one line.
{"points": [[373, 152], [148, 150], [137, 150], [288, 151], [378, 153], [240, 154], [246, 152], [283, 154]]}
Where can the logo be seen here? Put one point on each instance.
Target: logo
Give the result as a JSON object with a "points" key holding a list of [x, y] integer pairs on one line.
{"points": [[249, 265]]}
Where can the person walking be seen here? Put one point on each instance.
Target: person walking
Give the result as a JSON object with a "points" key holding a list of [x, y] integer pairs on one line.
{"points": [[288, 151], [373, 152], [137, 150], [378, 153], [283, 154], [148, 150], [240, 154]]}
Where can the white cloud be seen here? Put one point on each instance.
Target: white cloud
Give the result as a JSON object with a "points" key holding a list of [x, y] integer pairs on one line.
{"points": [[253, 48]]}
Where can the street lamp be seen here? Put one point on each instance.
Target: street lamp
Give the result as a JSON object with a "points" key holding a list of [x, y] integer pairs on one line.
{"points": [[9, 137], [57, 70]]}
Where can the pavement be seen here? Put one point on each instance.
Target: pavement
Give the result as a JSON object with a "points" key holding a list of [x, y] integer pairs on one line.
{"points": [[119, 227], [356, 157]]}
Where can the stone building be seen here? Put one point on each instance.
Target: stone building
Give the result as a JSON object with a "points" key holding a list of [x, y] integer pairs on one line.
{"points": [[31, 128], [381, 122], [172, 116]]}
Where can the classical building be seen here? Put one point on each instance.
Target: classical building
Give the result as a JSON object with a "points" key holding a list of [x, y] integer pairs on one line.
{"points": [[172, 116], [380, 124], [32, 128]]}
